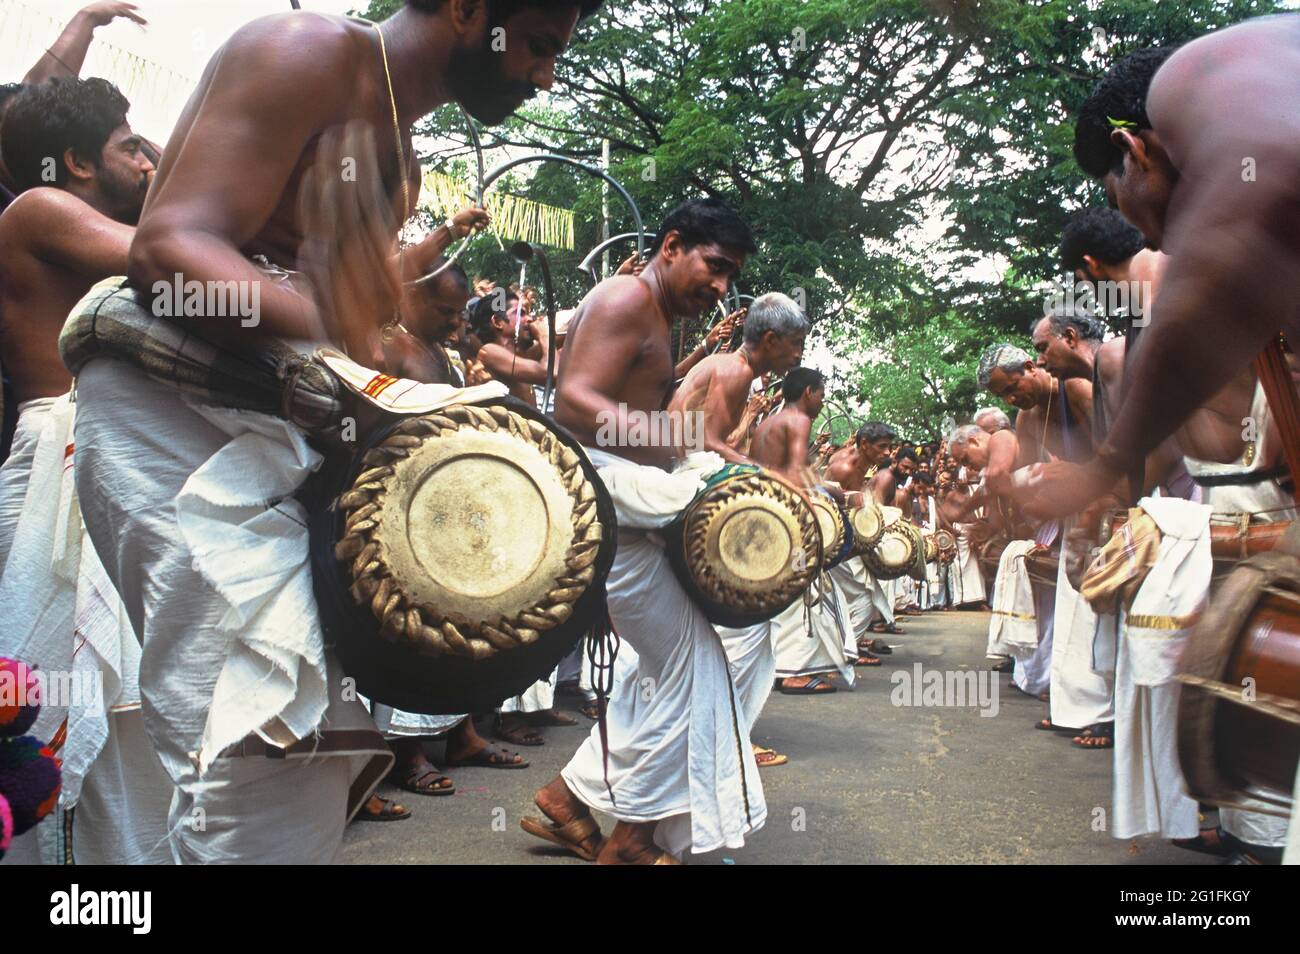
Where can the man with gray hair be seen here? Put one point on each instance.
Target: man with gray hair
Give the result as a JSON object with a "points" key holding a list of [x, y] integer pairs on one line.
{"points": [[992, 419], [1067, 341], [718, 387], [1055, 422]]}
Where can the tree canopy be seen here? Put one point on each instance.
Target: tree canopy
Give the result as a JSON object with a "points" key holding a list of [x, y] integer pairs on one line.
{"points": [[906, 165]]}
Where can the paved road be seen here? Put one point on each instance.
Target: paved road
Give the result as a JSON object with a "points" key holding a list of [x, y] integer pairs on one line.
{"points": [[868, 781]]}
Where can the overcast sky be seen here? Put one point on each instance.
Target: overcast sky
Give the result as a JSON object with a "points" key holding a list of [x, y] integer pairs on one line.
{"points": [[180, 38]]}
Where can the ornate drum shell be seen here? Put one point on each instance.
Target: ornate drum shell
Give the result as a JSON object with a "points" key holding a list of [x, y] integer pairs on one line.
{"points": [[746, 547], [868, 526], [892, 557], [459, 556], [1239, 708]]}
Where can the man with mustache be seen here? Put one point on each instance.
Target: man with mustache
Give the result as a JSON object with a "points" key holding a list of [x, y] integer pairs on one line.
{"points": [[295, 108], [82, 176], [677, 774]]}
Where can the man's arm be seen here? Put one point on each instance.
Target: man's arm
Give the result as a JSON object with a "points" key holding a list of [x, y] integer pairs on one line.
{"points": [[60, 229], [798, 428], [1230, 126], [67, 54], [717, 333], [270, 91], [882, 487], [511, 368], [724, 394]]}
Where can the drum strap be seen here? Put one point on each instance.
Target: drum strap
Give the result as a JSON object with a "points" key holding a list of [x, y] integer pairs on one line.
{"points": [[1275, 378]]}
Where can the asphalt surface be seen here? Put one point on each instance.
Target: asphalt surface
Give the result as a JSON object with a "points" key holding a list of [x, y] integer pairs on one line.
{"points": [[868, 781]]}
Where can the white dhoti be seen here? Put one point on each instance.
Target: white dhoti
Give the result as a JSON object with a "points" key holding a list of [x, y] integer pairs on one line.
{"points": [[191, 510], [679, 750], [538, 697], [850, 578], [1080, 697], [753, 665], [1013, 622], [968, 582], [17, 469], [1150, 795], [810, 641], [62, 616], [400, 724]]}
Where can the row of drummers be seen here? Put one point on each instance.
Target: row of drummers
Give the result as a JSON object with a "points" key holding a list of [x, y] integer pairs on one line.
{"points": [[750, 544]]}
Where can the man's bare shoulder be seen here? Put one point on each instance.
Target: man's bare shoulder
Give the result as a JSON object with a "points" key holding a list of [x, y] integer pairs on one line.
{"points": [[1003, 438], [319, 49], [1078, 389], [1110, 360], [37, 215], [44, 206]]}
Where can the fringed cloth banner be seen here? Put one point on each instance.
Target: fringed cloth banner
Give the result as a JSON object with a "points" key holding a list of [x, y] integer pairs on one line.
{"points": [[513, 218], [157, 94]]}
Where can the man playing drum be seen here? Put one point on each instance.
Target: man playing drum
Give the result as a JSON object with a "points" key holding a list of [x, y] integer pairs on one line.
{"points": [[231, 672], [677, 774], [865, 595]]}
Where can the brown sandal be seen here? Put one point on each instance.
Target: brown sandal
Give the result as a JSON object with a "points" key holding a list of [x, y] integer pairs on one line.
{"points": [[572, 836]]}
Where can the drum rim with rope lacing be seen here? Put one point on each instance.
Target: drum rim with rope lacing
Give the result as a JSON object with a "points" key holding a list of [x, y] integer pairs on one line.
{"points": [[410, 654]]}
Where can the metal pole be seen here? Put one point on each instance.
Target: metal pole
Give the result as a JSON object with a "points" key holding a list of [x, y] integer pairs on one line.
{"points": [[604, 208]]}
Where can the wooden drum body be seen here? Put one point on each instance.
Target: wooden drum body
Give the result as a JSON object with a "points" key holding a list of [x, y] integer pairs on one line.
{"points": [[1239, 711]]}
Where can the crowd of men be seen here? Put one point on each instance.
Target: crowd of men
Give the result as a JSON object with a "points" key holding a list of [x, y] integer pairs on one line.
{"points": [[169, 556]]}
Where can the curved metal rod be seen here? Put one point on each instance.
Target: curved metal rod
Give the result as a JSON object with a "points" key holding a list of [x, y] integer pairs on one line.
{"points": [[501, 170], [588, 264], [478, 200]]}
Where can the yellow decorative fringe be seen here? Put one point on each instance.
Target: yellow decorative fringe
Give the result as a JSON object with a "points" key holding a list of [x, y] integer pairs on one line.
{"points": [[513, 217]]}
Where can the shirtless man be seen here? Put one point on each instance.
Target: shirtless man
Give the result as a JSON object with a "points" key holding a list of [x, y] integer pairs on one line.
{"points": [[616, 366], [1197, 142], [718, 387], [60, 236], [780, 442], [276, 91], [848, 467], [1054, 422], [432, 312], [517, 360]]}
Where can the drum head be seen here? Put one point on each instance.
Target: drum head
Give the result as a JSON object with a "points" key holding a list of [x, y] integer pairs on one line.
{"points": [[891, 557], [868, 525], [462, 556], [829, 522], [931, 547], [746, 548], [947, 544], [921, 543]]}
